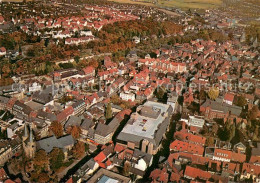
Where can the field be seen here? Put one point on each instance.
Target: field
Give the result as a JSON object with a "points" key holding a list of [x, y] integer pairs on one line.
{"points": [[184, 4], [242, 8]]}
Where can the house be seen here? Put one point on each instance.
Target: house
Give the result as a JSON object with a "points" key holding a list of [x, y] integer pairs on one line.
{"points": [[139, 161], [34, 87], [136, 39], [2, 51], [250, 170], [180, 146], [185, 136], [104, 132], [84, 124], [63, 115], [3, 102], [103, 160], [86, 170], [256, 150], [239, 148], [194, 173], [229, 98], [3, 175], [46, 96], [22, 111], [79, 107], [8, 149], [195, 123], [159, 175], [224, 155], [127, 96], [89, 71]]}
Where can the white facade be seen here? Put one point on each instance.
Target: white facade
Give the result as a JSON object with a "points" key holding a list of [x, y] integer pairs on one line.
{"points": [[221, 159], [35, 87], [127, 96], [196, 121]]}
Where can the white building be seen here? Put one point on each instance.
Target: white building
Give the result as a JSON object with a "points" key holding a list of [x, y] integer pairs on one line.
{"points": [[127, 96], [35, 87], [2, 51], [196, 121]]}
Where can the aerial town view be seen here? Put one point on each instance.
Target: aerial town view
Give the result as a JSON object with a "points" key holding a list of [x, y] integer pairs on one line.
{"points": [[129, 91]]}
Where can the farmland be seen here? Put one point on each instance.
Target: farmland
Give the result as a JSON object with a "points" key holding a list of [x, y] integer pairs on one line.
{"points": [[184, 4]]}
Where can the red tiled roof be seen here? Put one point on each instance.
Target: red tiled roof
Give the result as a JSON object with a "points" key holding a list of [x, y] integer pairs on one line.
{"points": [[229, 97], [185, 136], [221, 153], [196, 173], [70, 180], [3, 174], [160, 175], [254, 159], [64, 114], [100, 157], [9, 181], [181, 146], [119, 148], [88, 70], [238, 157]]}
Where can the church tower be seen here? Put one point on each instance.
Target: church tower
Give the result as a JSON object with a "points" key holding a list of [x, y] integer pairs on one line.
{"points": [[29, 145]]}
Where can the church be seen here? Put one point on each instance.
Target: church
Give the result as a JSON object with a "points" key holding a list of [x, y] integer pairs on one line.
{"points": [[29, 144]]}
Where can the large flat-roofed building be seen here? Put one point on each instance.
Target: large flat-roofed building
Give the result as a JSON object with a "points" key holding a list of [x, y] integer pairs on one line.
{"points": [[106, 176], [146, 127]]}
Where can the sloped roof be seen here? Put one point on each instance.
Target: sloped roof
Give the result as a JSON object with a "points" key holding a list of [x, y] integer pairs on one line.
{"points": [[48, 144]]}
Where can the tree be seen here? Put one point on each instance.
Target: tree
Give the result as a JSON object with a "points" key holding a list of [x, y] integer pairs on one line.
{"points": [[180, 100], [41, 160], [214, 128], [76, 58], [202, 95], [256, 132], [56, 128], [56, 158], [126, 169], [79, 149], [253, 113], [109, 111], [213, 93], [240, 101], [75, 131], [160, 93], [43, 177], [229, 131], [210, 141]]}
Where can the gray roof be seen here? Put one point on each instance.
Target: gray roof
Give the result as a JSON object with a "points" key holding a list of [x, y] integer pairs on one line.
{"points": [[155, 127], [256, 151], [46, 95], [78, 103], [223, 107], [48, 144], [46, 115], [77, 121], [25, 108], [4, 100], [73, 121]]}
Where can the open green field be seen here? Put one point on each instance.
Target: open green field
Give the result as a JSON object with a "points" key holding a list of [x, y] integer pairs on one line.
{"points": [[184, 4]]}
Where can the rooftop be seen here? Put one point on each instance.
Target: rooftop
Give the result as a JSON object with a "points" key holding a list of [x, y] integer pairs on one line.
{"points": [[105, 176], [146, 126]]}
